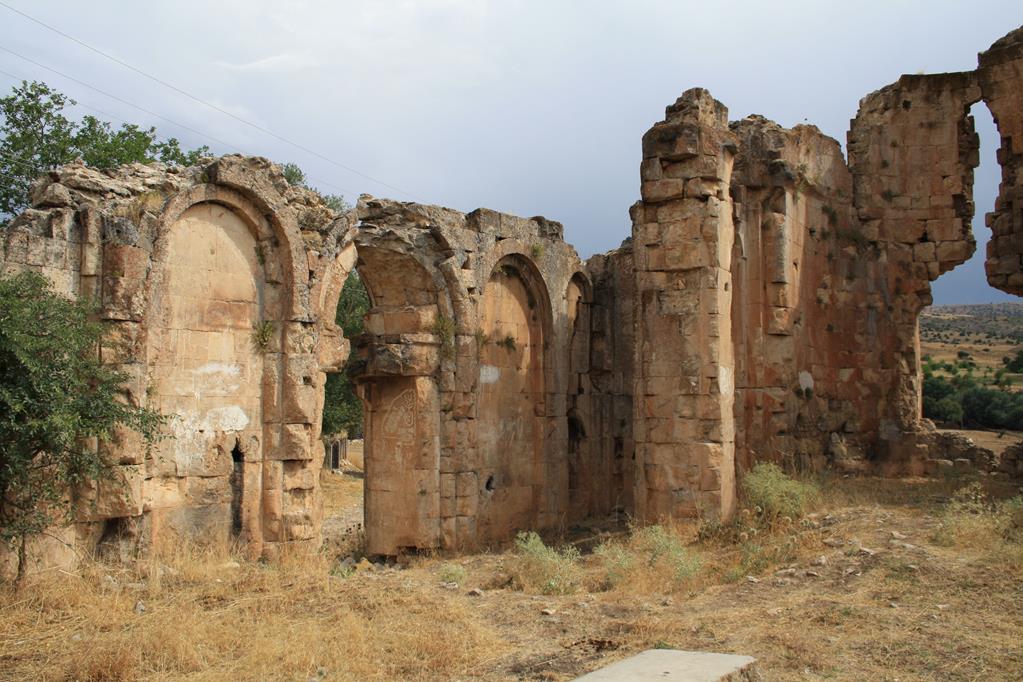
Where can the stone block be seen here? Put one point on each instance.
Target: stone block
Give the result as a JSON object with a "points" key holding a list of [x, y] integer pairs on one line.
{"points": [[681, 666]]}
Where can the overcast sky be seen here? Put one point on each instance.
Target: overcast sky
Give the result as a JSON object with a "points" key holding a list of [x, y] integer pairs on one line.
{"points": [[533, 108]]}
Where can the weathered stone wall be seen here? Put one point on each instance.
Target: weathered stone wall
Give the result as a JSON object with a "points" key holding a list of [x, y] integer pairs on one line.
{"points": [[203, 276], [612, 380], [474, 360], [220, 285], [1001, 75], [682, 233], [764, 308], [760, 250]]}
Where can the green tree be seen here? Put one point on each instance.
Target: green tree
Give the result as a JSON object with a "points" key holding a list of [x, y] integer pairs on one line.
{"points": [[1015, 364], [342, 408], [36, 136], [57, 400], [947, 409], [297, 177]]}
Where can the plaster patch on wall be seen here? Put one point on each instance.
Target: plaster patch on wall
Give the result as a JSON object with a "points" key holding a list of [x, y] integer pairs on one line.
{"points": [[489, 374], [218, 368], [217, 378], [726, 382], [805, 381]]}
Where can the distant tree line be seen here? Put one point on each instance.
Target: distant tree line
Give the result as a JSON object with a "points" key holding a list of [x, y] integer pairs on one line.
{"points": [[964, 399]]}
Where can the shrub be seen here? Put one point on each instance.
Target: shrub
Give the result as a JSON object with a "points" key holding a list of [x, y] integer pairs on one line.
{"points": [[617, 562], [666, 552], [971, 519], [544, 569], [444, 330], [263, 334], [451, 573], [774, 494]]}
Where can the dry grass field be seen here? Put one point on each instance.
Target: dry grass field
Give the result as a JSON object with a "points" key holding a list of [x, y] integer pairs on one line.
{"points": [[987, 333], [882, 580]]}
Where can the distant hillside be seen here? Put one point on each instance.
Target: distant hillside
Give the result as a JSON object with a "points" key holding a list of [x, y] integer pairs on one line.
{"points": [[993, 321]]}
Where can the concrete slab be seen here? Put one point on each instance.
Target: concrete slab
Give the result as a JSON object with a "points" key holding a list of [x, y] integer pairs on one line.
{"points": [[679, 666]]}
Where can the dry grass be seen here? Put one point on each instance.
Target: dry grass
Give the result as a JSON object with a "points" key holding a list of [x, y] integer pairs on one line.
{"points": [[208, 619], [885, 579]]}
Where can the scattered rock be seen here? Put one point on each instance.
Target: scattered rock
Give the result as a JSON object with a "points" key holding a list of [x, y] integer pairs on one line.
{"points": [[548, 611], [785, 572], [896, 535], [230, 565], [140, 608], [820, 561], [449, 586], [834, 542], [866, 551], [475, 592], [812, 574], [751, 579]]}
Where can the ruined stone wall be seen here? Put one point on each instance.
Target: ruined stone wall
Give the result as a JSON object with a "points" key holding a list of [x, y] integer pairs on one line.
{"points": [[760, 250], [801, 371], [472, 372], [204, 279], [1000, 76], [220, 286], [765, 308], [612, 380]]}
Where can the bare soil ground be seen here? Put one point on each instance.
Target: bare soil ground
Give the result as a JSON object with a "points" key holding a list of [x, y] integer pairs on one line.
{"points": [[885, 581]]}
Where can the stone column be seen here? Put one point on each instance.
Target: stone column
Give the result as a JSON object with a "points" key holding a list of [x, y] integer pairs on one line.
{"points": [[683, 236]]}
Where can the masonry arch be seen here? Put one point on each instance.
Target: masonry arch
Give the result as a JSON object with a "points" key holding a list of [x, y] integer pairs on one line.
{"points": [[213, 326], [954, 353], [513, 392], [588, 493], [407, 333]]}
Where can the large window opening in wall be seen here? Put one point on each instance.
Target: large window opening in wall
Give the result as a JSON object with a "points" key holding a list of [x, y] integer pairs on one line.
{"points": [[971, 337], [386, 403]]}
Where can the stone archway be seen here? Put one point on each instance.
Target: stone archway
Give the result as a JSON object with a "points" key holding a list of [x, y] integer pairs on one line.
{"points": [[206, 364], [512, 395], [397, 360]]}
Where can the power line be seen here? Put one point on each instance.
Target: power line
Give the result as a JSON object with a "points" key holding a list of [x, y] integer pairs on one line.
{"points": [[207, 104], [200, 133]]}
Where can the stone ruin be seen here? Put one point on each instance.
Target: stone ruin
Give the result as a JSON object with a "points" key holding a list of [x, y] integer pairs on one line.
{"points": [[765, 308]]}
